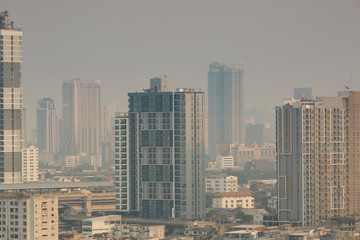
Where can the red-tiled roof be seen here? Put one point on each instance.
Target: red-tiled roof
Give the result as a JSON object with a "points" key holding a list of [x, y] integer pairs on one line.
{"points": [[235, 194]]}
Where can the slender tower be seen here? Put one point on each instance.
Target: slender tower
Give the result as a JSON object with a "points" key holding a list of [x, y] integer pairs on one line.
{"points": [[317, 144], [226, 105], [10, 101], [81, 116], [47, 126], [159, 150]]}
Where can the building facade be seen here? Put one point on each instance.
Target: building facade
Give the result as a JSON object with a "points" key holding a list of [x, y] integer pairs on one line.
{"points": [[317, 146], [255, 154], [28, 217], [107, 112], [231, 200], [11, 101], [73, 161], [137, 231], [221, 183], [99, 225], [226, 162], [47, 126], [163, 155], [122, 164], [226, 105], [81, 116], [30, 164]]}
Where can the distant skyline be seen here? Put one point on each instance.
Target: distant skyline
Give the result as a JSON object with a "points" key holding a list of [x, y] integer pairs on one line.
{"points": [[283, 44]]}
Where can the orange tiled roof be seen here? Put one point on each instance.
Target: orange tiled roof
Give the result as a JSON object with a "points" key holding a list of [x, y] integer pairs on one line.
{"points": [[235, 194]]}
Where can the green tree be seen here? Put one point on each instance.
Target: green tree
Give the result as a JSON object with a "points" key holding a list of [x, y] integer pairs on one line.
{"points": [[209, 199], [244, 218]]}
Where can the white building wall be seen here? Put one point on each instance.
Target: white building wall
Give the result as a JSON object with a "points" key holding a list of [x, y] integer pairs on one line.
{"points": [[227, 162], [233, 202], [216, 184], [30, 164]]}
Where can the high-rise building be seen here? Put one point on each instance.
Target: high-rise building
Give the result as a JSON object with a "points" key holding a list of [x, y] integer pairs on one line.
{"points": [[29, 216], [104, 123], [226, 105], [302, 93], [47, 126], [30, 164], [159, 148], [107, 113], [10, 98], [81, 117], [317, 143]]}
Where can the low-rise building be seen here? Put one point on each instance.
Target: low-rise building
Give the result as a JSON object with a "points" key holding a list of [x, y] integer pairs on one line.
{"points": [[231, 200], [244, 232], [28, 217], [241, 234], [262, 185], [72, 161], [139, 231], [100, 225], [201, 230], [256, 153], [226, 162], [261, 165], [221, 183]]}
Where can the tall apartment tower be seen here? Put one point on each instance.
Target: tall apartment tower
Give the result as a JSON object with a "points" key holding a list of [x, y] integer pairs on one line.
{"points": [[317, 143], [107, 112], [226, 105], [47, 126], [81, 116], [10, 97], [160, 153]]}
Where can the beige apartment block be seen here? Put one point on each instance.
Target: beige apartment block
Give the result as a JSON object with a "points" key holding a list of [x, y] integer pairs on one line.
{"points": [[231, 184], [318, 159], [31, 217]]}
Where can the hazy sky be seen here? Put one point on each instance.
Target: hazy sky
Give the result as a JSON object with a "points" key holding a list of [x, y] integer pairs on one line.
{"points": [[283, 44]]}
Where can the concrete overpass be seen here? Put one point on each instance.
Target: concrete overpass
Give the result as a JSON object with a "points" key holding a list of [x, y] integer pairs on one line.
{"points": [[85, 202]]}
